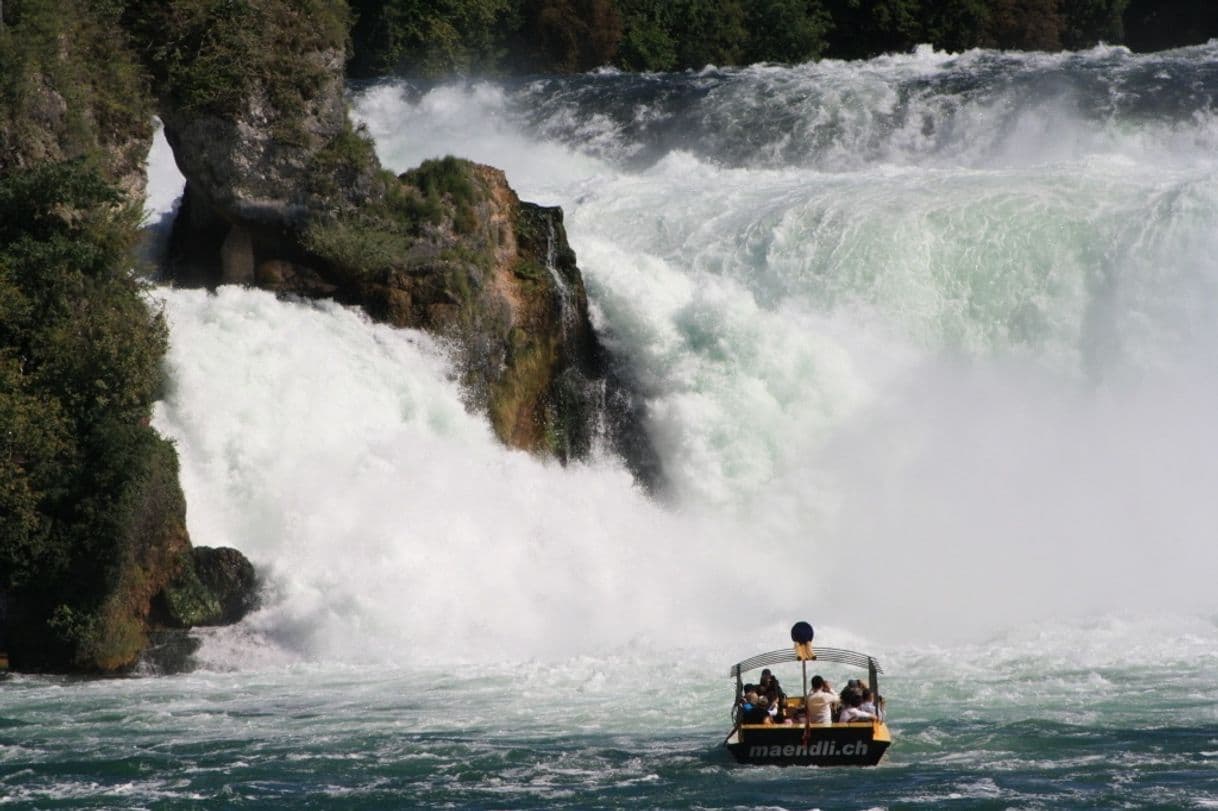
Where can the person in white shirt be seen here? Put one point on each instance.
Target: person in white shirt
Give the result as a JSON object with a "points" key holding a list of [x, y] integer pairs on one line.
{"points": [[820, 702], [871, 705], [852, 711]]}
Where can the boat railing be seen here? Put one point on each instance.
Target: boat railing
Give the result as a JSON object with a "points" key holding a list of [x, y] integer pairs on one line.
{"points": [[778, 657]]}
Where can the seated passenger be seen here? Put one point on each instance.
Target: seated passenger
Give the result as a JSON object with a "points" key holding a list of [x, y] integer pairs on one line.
{"points": [[853, 687], [868, 704], [851, 711], [769, 687], [753, 710], [768, 709], [778, 710], [820, 702]]}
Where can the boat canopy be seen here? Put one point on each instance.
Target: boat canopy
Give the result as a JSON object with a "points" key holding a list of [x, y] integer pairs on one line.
{"points": [[778, 657]]}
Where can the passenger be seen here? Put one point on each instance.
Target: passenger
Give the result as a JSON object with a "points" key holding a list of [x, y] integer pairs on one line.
{"points": [[778, 710], [752, 711], [767, 709], [853, 687], [852, 710], [868, 704], [820, 702], [769, 687]]}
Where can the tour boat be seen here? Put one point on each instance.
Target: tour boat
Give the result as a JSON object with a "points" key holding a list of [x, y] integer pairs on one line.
{"points": [[797, 742]]}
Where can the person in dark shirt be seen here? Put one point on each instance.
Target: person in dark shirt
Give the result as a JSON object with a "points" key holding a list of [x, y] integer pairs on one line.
{"points": [[754, 709], [769, 687]]}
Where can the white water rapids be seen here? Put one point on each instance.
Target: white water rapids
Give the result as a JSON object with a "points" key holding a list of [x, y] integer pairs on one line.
{"points": [[928, 346]]}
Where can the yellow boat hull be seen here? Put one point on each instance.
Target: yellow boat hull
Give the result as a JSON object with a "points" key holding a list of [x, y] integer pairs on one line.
{"points": [[857, 744]]}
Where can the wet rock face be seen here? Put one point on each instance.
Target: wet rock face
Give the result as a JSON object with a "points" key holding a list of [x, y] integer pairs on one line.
{"points": [[170, 651]]}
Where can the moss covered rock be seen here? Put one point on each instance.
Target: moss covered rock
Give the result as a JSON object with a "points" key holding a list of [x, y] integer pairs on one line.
{"points": [[214, 586], [185, 601]]}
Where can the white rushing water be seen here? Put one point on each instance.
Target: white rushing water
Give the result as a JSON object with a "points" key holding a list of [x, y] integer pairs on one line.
{"points": [[928, 347]]}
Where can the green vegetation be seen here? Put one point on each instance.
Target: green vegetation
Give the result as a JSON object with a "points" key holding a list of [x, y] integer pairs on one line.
{"points": [[360, 243], [87, 100], [91, 513], [445, 184], [378, 236], [1152, 25], [493, 36], [88, 490], [340, 166], [426, 37], [188, 601], [563, 35], [218, 56]]}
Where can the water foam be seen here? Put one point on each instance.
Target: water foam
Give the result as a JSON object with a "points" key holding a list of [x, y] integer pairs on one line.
{"points": [[390, 523], [947, 374]]}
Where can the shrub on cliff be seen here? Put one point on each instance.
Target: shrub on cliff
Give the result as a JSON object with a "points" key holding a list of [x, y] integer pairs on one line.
{"points": [[88, 491], [213, 56], [381, 235], [69, 87]]}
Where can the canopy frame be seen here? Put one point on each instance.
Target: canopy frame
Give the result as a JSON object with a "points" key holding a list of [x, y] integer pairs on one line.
{"points": [[785, 655]]}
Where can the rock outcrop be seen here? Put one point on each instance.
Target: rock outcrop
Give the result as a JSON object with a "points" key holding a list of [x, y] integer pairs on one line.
{"points": [[213, 586], [447, 247], [493, 275]]}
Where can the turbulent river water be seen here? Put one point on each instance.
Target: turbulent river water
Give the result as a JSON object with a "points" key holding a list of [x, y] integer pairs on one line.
{"points": [[929, 346]]}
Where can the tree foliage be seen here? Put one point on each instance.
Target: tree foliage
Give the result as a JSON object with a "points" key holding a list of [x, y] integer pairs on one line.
{"points": [[80, 359], [863, 28], [491, 36], [1152, 25], [567, 35], [1087, 21], [212, 55], [789, 31], [427, 37]]}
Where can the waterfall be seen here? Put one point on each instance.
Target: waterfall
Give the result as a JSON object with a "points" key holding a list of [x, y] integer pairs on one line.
{"points": [[941, 324]]}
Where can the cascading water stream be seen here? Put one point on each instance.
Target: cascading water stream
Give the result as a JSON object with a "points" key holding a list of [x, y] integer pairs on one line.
{"points": [[565, 302]]}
